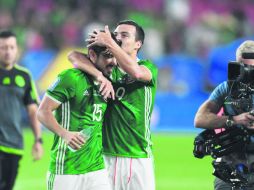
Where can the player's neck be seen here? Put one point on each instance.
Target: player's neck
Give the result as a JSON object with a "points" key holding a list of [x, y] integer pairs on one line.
{"points": [[133, 56], [6, 66]]}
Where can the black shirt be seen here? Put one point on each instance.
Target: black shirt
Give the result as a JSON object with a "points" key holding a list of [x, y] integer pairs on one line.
{"points": [[17, 90]]}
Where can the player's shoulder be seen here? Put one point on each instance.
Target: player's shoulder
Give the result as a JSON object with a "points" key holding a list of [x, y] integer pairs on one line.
{"points": [[73, 74], [22, 71], [148, 63], [145, 61], [72, 71], [223, 86]]}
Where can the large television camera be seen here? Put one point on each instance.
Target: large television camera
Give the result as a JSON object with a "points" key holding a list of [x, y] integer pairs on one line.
{"points": [[236, 138], [240, 72], [217, 145]]}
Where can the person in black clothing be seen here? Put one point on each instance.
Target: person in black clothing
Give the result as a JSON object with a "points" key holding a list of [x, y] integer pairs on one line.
{"points": [[17, 91]]}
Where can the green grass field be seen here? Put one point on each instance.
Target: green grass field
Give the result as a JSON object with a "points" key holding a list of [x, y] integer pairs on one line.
{"points": [[175, 166]]}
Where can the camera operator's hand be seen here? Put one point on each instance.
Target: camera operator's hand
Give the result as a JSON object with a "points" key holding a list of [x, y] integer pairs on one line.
{"points": [[246, 119]]}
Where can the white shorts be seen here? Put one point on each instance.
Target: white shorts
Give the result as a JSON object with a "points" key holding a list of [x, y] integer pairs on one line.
{"points": [[130, 173], [97, 180]]}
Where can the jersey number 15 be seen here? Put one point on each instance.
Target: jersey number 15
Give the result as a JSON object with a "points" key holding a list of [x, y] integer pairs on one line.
{"points": [[97, 112]]}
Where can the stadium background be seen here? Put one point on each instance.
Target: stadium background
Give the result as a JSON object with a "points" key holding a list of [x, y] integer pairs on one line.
{"points": [[191, 42]]}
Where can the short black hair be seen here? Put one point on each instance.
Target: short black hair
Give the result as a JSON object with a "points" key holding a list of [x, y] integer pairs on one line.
{"points": [[7, 34], [103, 49], [140, 34]]}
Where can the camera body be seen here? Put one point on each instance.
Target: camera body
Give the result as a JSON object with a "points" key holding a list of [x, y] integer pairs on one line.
{"points": [[240, 72], [241, 85], [223, 143]]}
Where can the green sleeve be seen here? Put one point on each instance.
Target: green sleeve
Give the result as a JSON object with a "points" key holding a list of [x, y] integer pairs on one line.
{"points": [[63, 88], [152, 68]]}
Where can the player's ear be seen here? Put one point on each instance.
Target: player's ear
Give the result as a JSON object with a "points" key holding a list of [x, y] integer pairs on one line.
{"points": [[92, 55], [138, 44]]}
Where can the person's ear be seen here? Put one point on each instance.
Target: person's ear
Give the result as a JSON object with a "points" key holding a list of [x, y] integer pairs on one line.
{"points": [[138, 44], [92, 55]]}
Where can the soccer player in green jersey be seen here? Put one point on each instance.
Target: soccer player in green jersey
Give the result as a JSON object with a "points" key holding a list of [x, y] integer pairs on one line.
{"points": [[17, 91], [76, 160], [126, 131]]}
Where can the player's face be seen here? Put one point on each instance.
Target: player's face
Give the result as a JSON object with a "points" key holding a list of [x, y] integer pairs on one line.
{"points": [[248, 61], [127, 35], [8, 52], [105, 63]]}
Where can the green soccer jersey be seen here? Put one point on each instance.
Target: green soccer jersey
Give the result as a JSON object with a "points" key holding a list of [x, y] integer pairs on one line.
{"points": [[126, 130], [81, 107]]}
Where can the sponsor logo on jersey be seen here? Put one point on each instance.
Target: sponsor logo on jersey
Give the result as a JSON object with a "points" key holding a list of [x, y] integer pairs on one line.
{"points": [[86, 93]]}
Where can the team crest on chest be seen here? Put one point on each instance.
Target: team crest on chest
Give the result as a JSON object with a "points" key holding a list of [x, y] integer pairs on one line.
{"points": [[96, 93], [127, 79]]}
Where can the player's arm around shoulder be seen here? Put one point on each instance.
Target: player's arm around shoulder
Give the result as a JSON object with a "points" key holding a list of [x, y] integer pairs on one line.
{"points": [[81, 61]]}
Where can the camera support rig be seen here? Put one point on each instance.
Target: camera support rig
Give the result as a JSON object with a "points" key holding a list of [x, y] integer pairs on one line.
{"points": [[217, 145], [234, 139]]}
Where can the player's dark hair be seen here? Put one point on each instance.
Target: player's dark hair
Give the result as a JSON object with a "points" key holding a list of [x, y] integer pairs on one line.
{"points": [[7, 34], [103, 49], [140, 34]]}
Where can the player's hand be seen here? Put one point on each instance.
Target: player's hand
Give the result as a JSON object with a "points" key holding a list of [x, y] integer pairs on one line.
{"points": [[99, 38], [106, 89], [37, 151], [73, 139]]}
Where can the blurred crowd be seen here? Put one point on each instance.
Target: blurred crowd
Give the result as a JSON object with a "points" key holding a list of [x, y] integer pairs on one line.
{"points": [[186, 27], [180, 36], [56, 23], [172, 26]]}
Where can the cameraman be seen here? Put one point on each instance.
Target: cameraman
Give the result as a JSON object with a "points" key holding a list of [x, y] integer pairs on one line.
{"points": [[207, 118]]}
